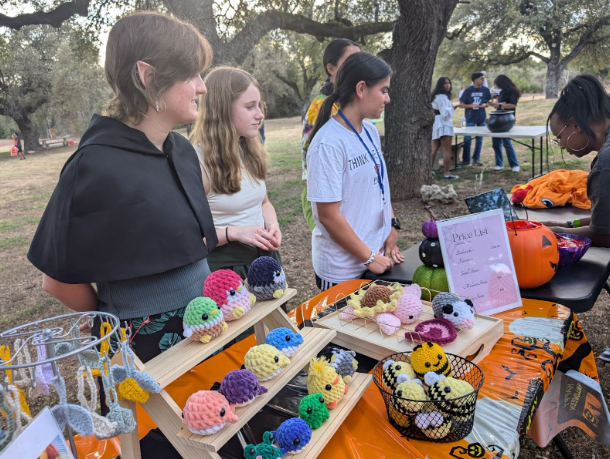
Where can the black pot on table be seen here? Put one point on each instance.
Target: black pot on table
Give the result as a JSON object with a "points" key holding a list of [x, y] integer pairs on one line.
{"points": [[501, 120]]}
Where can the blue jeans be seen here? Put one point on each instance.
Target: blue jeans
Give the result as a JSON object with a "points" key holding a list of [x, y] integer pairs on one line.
{"points": [[477, 146], [510, 152]]}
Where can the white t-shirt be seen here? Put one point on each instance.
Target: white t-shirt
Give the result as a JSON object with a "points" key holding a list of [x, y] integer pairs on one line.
{"points": [[340, 169]]}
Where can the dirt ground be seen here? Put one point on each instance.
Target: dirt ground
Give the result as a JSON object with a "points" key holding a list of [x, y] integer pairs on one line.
{"points": [[26, 186]]}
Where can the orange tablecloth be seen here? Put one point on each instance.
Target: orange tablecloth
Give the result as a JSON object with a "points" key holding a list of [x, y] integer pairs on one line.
{"points": [[542, 342]]}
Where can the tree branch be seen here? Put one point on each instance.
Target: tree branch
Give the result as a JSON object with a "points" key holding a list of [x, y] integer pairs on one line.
{"points": [[455, 33], [587, 39], [54, 17], [291, 84], [258, 26], [505, 60]]}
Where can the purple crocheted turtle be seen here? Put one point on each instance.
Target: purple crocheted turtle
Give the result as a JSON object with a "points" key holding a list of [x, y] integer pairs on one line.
{"points": [[241, 387]]}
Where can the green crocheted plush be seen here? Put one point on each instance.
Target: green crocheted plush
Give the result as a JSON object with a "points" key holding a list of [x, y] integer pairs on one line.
{"points": [[313, 410]]}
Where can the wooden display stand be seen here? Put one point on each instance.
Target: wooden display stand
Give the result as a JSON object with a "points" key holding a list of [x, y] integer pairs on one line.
{"points": [[173, 363]]}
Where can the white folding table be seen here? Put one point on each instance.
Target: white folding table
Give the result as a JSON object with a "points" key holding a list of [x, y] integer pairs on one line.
{"points": [[517, 132]]}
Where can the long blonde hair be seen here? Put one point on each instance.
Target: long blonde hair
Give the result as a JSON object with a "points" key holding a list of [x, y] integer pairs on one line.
{"points": [[224, 152]]}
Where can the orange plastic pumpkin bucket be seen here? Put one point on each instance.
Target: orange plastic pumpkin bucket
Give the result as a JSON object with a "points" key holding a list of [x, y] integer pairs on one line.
{"points": [[535, 253]]}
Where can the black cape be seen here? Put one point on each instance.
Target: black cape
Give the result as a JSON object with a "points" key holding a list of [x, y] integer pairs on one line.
{"points": [[122, 209]]}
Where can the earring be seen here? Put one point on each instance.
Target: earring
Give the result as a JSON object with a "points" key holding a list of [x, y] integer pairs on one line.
{"points": [[157, 106], [568, 143]]}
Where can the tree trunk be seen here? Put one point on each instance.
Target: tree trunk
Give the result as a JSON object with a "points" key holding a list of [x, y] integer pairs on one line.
{"points": [[409, 117], [29, 132], [554, 70]]}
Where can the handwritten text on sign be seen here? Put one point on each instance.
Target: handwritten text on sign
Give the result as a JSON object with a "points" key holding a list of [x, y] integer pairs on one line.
{"points": [[478, 261]]}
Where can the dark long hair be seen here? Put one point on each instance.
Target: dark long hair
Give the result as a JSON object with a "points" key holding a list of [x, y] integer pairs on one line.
{"points": [[356, 68], [440, 88], [333, 52], [507, 86], [584, 99]]}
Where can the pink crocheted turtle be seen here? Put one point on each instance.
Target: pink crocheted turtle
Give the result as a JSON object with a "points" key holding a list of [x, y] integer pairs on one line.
{"points": [[206, 412], [409, 306], [228, 290]]}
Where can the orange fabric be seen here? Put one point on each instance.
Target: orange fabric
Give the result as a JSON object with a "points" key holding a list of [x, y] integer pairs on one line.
{"points": [[555, 189], [517, 371]]}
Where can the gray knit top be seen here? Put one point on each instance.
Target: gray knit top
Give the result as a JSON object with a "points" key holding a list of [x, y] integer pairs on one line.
{"points": [[156, 294]]}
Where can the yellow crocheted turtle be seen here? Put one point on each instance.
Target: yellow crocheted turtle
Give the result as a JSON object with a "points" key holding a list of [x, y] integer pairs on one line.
{"points": [[429, 361], [375, 299], [265, 361], [324, 379]]}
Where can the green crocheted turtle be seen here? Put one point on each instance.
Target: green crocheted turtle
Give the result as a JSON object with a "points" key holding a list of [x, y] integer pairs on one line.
{"points": [[313, 410]]}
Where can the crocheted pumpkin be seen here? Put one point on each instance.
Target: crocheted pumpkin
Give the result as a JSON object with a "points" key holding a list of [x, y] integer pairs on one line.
{"points": [[206, 412], [227, 289]]}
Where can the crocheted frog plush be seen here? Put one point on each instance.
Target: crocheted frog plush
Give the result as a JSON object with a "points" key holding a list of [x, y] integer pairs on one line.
{"points": [[264, 450], [203, 320], [312, 410]]}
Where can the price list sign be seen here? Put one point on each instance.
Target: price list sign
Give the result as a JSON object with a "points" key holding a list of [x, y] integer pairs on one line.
{"points": [[479, 262]]}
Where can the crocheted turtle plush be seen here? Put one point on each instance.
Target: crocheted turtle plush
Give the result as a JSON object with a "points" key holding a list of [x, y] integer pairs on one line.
{"points": [[264, 450], [312, 410], [324, 379], [241, 387], [266, 278], [227, 289], [206, 412], [285, 340], [203, 320], [375, 299], [391, 371], [292, 435], [451, 307], [429, 362], [265, 361]]}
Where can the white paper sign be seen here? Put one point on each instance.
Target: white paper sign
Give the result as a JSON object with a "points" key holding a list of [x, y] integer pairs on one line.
{"points": [[479, 262], [41, 439]]}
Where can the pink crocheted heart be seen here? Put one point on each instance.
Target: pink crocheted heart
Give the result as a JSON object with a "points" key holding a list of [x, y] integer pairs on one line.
{"points": [[439, 331]]}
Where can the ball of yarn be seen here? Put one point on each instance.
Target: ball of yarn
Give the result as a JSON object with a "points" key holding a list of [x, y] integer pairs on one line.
{"points": [[265, 361], [374, 294], [241, 387], [206, 412]]}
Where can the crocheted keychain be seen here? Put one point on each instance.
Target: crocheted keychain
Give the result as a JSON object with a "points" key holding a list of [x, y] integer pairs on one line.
{"points": [[123, 417], [5, 410], [24, 380], [75, 416], [104, 428], [132, 384], [14, 402], [44, 372]]}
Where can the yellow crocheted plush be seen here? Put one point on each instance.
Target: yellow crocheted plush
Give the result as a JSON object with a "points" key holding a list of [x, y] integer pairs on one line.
{"points": [[375, 299], [130, 390], [392, 369], [324, 379], [429, 357], [265, 361], [450, 393]]}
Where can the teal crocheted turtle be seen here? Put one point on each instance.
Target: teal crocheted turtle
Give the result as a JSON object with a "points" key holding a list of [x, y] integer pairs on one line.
{"points": [[313, 410]]}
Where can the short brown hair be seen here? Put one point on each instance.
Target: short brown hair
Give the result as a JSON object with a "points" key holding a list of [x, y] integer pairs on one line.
{"points": [[175, 49]]}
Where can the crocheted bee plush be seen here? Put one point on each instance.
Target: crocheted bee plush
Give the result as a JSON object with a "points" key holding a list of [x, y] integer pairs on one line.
{"points": [[265, 361], [206, 412], [241, 387], [324, 379], [451, 307], [265, 450], [450, 392], [203, 320], [429, 361], [285, 340], [391, 371], [227, 289], [292, 436], [266, 278], [408, 399], [312, 410], [433, 424]]}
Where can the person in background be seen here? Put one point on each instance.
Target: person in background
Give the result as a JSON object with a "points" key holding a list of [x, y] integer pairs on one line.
{"points": [[261, 130], [507, 100], [348, 181], [461, 92], [17, 144], [442, 130], [234, 168], [474, 100], [129, 212], [580, 123], [335, 53]]}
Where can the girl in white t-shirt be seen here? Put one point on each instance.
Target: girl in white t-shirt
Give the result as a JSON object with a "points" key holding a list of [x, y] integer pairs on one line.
{"points": [[347, 177], [234, 168], [442, 131]]}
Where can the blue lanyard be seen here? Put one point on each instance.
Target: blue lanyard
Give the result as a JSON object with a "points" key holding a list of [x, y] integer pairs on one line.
{"points": [[378, 167]]}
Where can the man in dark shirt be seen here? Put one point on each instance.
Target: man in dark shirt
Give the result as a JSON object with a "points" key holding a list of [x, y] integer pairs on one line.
{"points": [[475, 99]]}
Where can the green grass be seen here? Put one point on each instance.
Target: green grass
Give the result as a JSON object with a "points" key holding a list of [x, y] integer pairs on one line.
{"points": [[9, 225], [12, 242], [23, 315]]}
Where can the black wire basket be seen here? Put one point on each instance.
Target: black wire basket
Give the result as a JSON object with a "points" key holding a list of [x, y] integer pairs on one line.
{"points": [[439, 420]]}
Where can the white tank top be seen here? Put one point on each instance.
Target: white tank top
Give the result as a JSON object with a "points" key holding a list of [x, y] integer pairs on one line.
{"points": [[243, 208]]}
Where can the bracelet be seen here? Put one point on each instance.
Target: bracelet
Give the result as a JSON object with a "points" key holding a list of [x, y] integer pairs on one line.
{"points": [[227, 233], [576, 223], [371, 258], [570, 224]]}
